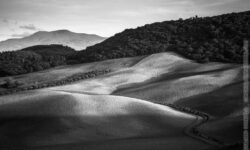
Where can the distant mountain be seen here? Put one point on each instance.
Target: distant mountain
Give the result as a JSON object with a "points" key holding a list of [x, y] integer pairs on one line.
{"points": [[78, 41]]}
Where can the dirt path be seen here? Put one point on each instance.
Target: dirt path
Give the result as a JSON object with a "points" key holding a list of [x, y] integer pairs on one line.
{"points": [[193, 129]]}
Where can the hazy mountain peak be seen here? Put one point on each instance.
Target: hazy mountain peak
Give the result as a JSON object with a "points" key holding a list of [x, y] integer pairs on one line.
{"points": [[77, 41], [62, 31]]}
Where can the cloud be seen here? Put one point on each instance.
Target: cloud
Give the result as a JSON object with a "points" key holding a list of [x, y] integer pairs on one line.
{"points": [[5, 20], [29, 27], [21, 35], [9, 21]]}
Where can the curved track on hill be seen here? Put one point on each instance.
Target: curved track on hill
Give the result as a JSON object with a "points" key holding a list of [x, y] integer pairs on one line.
{"points": [[192, 130]]}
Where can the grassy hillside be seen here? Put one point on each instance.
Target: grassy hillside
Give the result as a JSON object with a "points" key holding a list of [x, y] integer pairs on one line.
{"points": [[203, 39]]}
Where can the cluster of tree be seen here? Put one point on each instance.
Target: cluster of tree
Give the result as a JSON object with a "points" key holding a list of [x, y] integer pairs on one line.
{"points": [[203, 39], [34, 58], [13, 86]]}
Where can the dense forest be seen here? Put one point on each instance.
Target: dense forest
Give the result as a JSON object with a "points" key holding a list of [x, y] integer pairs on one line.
{"points": [[34, 58], [202, 39]]}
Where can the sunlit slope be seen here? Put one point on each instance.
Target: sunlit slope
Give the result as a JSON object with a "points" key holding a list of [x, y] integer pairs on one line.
{"points": [[169, 89], [167, 72], [45, 118]]}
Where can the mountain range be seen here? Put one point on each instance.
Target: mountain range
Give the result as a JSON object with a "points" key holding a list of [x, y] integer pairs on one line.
{"points": [[78, 41]]}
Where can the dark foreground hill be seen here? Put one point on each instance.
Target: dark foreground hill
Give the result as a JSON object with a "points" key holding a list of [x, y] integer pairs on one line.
{"points": [[204, 39]]}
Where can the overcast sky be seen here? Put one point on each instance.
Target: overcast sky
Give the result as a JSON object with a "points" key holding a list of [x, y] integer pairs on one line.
{"points": [[19, 18]]}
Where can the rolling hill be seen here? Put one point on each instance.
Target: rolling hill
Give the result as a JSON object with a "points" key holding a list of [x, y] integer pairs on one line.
{"points": [[130, 104], [162, 98], [78, 41]]}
